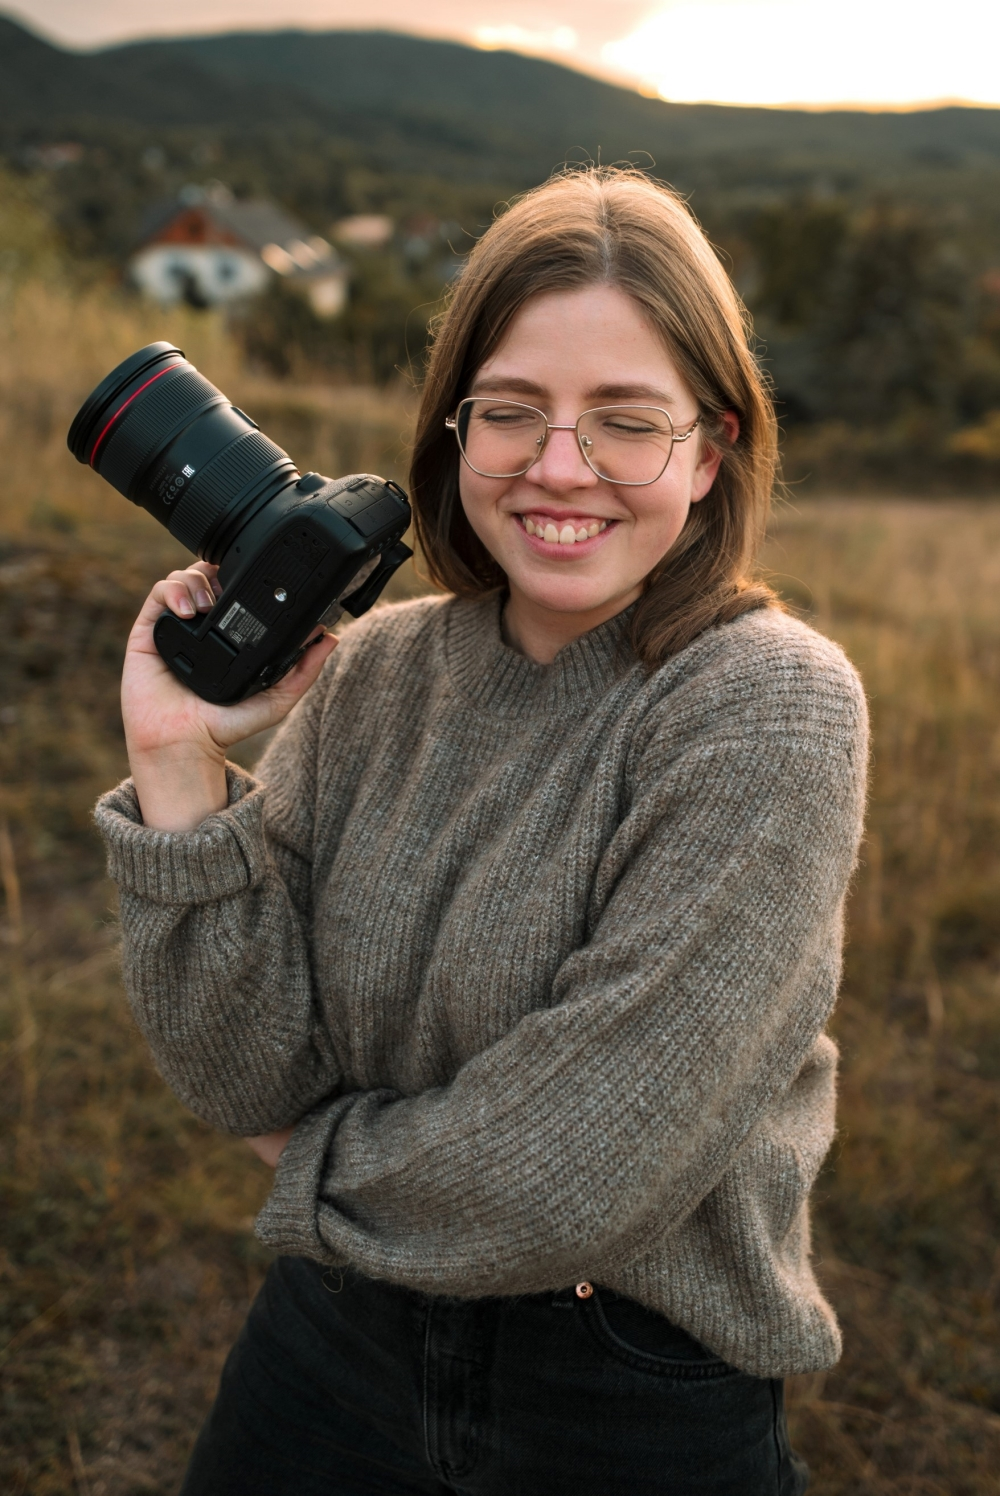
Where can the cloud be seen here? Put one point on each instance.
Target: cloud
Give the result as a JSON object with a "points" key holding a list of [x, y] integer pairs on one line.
{"points": [[521, 39]]}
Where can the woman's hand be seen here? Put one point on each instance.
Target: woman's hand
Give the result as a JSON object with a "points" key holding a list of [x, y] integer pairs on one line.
{"points": [[176, 742], [270, 1145]]}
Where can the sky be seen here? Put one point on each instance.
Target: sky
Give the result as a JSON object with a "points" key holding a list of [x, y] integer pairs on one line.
{"points": [[868, 53]]}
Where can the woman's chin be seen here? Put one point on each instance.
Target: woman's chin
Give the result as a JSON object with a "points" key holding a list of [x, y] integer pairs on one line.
{"points": [[570, 595]]}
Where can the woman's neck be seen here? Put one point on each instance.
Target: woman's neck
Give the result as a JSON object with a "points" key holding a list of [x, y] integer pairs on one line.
{"points": [[540, 633]]}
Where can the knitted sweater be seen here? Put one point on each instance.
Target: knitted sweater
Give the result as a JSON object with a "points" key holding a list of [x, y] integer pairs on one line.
{"points": [[536, 958]]}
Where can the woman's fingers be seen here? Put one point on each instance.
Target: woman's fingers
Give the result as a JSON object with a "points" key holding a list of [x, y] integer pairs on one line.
{"points": [[296, 683], [211, 575], [232, 724], [191, 590], [185, 593]]}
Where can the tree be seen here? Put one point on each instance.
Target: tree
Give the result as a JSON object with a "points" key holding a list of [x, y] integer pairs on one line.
{"points": [[890, 340], [795, 247]]}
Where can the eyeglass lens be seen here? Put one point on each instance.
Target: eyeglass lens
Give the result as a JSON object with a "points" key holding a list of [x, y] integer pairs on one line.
{"points": [[622, 443]]}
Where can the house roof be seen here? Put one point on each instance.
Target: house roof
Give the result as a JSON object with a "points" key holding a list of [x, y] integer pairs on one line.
{"points": [[213, 216], [221, 218]]}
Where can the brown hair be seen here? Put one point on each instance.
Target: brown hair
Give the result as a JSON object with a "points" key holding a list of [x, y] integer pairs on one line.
{"points": [[607, 225]]}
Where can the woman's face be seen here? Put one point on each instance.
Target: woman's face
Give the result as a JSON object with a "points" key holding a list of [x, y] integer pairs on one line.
{"points": [[565, 353]]}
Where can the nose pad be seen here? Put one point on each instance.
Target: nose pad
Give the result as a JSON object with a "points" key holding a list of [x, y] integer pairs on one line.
{"points": [[568, 473]]}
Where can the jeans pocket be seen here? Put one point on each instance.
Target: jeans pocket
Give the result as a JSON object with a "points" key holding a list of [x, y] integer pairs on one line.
{"points": [[646, 1341]]}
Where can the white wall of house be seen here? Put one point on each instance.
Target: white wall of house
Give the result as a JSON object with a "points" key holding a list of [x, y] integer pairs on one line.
{"points": [[327, 293], [218, 272]]}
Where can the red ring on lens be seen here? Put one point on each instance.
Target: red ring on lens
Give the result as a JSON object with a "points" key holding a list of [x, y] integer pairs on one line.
{"points": [[121, 408]]}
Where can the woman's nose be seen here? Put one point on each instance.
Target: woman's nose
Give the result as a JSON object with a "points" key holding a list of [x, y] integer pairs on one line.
{"points": [[561, 467]]}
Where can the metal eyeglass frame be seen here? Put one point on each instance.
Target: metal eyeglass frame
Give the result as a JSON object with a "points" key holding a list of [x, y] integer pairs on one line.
{"points": [[451, 424]]}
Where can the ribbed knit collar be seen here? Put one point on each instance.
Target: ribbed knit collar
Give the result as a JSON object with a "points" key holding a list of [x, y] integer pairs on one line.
{"points": [[501, 680]]}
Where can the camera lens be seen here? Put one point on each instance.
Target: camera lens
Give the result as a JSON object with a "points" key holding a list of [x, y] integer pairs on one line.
{"points": [[165, 437]]}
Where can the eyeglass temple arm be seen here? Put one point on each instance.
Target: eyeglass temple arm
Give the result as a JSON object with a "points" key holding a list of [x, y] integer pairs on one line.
{"points": [[683, 436]]}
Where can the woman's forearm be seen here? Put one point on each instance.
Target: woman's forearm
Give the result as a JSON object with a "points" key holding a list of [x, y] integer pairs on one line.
{"points": [[222, 992], [216, 960], [179, 788]]}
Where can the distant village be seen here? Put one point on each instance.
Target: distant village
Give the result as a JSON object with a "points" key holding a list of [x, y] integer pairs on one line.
{"points": [[207, 247]]}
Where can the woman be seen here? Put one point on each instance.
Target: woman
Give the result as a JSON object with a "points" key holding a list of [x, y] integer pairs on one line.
{"points": [[515, 956]]}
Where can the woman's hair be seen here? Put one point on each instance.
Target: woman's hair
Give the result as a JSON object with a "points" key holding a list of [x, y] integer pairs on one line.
{"points": [[609, 226]]}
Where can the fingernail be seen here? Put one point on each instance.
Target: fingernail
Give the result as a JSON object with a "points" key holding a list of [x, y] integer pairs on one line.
{"points": [[205, 599], [184, 607]]}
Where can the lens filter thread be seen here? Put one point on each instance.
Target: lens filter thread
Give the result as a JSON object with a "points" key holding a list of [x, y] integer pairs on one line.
{"points": [[121, 411], [123, 381]]}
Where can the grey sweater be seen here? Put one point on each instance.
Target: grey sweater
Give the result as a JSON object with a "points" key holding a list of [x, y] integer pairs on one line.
{"points": [[538, 959]]}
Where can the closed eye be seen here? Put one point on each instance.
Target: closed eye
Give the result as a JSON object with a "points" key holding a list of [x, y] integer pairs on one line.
{"points": [[622, 426], [507, 417]]}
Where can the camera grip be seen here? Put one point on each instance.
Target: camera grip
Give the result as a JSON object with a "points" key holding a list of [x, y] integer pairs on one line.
{"points": [[191, 658]]}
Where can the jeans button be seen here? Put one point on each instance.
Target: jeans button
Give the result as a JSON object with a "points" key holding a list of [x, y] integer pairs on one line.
{"points": [[584, 1290]]}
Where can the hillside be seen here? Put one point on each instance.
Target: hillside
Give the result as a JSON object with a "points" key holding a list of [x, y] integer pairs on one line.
{"points": [[414, 105], [867, 246], [543, 107]]}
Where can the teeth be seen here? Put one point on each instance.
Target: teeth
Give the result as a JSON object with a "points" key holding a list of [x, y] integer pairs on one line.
{"points": [[568, 535]]}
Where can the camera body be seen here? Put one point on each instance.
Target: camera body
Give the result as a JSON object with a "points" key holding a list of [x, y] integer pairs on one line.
{"points": [[293, 551], [322, 547]]}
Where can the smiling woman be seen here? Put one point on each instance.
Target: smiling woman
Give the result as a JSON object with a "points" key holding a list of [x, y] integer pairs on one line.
{"points": [[514, 958], [573, 304], [605, 491]]}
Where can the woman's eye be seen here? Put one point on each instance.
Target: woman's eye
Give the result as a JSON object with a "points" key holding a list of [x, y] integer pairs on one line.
{"points": [[506, 417], [631, 428]]}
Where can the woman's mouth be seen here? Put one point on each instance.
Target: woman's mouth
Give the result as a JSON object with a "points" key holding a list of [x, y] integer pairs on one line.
{"points": [[571, 532]]}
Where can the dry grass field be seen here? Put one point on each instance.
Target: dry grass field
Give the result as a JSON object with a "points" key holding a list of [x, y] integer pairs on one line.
{"points": [[127, 1258]]}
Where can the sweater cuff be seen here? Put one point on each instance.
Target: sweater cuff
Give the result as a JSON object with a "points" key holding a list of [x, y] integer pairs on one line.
{"points": [[289, 1221], [225, 855]]}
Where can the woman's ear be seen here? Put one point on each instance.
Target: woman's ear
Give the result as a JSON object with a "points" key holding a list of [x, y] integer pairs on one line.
{"points": [[710, 457]]}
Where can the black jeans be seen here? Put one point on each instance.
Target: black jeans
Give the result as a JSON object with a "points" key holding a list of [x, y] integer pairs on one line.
{"points": [[341, 1386]]}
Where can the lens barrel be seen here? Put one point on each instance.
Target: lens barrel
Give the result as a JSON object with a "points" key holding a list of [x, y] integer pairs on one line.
{"points": [[169, 441]]}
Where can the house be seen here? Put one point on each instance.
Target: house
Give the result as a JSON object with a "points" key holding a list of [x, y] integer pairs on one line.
{"points": [[207, 247]]}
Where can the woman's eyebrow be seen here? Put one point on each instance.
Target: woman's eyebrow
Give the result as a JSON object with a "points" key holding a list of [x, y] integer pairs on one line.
{"points": [[502, 384], [631, 392], [514, 384]]}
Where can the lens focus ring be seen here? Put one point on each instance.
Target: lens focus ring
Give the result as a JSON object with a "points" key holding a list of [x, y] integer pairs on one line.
{"points": [[218, 484], [146, 427]]}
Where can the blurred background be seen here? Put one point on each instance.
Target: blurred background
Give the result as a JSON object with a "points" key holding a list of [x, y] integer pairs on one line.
{"points": [[289, 206]]}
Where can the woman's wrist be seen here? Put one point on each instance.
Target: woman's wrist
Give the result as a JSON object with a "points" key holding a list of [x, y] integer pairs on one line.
{"points": [[178, 788]]}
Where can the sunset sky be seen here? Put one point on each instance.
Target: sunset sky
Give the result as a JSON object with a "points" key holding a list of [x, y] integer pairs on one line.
{"points": [[868, 52]]}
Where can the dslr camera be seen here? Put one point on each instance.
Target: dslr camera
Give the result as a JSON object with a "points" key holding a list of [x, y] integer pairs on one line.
{"points": [[293, 550]]}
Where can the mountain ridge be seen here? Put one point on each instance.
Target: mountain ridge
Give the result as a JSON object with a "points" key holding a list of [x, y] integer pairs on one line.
{"points": [[493, 113]]}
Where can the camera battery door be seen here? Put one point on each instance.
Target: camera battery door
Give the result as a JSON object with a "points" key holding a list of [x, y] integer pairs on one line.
{"points": [[335, 545]]}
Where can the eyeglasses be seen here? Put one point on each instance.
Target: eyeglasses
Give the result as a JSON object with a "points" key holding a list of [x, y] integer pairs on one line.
{"points": [[626, 444]]}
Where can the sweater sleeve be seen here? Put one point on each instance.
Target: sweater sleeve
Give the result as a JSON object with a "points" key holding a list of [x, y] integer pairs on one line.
{"points": [[216, 957], [689, 1010]]}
